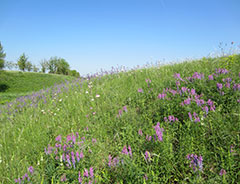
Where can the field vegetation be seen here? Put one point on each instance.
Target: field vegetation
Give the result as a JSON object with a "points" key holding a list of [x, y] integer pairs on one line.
{"points": [[176, 123], [14, 84]]}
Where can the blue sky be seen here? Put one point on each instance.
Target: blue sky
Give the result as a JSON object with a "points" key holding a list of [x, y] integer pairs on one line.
{"points": [[95, 34]]}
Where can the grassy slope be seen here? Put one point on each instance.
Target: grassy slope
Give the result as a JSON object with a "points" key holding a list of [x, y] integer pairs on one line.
{"points": [[15, 84], [27, 133]]}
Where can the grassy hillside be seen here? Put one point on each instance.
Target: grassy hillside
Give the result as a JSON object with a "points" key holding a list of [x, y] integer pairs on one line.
{"points": [[14, 84], [171, 124]]}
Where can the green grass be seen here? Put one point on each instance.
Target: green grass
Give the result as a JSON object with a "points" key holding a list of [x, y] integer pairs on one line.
{"points": [[29, 125], [14, 84]]}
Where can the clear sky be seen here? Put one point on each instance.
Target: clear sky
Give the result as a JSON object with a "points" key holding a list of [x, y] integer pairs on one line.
{"points": [[95, 34]]}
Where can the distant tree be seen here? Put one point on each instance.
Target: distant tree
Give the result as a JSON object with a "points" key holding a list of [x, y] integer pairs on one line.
{"points": [[2, 57], [44, 65], [35, 68], [62, 66], [73, 73], [29, 66], [22, 62], [10, 65], [58, 65], [52, 65]]}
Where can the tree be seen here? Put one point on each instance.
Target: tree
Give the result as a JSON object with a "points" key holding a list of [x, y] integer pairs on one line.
{"points": [[44, 65], [35, 68], [58, 65], [29, 66], [2, 57], [52, 65], [22, 62], [62, 66], [73, 73], [10, 65]]}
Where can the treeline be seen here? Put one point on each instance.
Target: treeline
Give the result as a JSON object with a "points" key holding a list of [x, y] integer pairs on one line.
{"points": [[54, 65]]}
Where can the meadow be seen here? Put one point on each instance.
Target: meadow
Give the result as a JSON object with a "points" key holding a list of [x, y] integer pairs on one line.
{"points": [[177, 123], [14, 84]]}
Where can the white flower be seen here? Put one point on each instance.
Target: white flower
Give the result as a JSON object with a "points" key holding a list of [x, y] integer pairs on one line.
{"points": [[60, 100], [92, 99], [86, 92], [97, 96]]}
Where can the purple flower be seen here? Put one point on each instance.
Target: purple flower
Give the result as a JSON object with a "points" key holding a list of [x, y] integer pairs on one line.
{"points": [[210, 77], [125, 151], [58, 138], [162, 96], [140, 90], [130, 151], [120, 112], [195, 162], [30, 169], [91, 172], [193, 92], [140, 132], [190, 116], [147, 156], [85, 174], [125, 108], [222, 172], [79, 178], [109, 160], [81, 155], [219, 86], [205, 108], [159, 131], [63, 177]]}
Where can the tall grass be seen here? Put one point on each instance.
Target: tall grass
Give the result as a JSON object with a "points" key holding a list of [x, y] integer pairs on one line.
{"points": [[164, 124]]}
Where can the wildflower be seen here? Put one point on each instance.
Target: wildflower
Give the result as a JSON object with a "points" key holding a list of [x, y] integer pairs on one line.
{"points": [[177, 83], [120, 112], [190, 116], [145, 177], [77, 155], [63, 177], [97, 96], [140, 90], [85, 174], [130, 151], [91, 172], [159, 131], [222, 172], [81, 155], [79, 177], [195, 162], [125, 108], [162, 96], [30, 169], [109, 160], [140, 132], [210, 77], [219, 86], [125, 151], [147, 156], [94, 140]]}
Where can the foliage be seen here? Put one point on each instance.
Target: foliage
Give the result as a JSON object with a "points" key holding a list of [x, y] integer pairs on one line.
{"points": [[58, 65], [29, 66], [44, 65], [23, 62], [169, 124], [2, 57], [62, 66], [73, 73], [17, 84]]}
